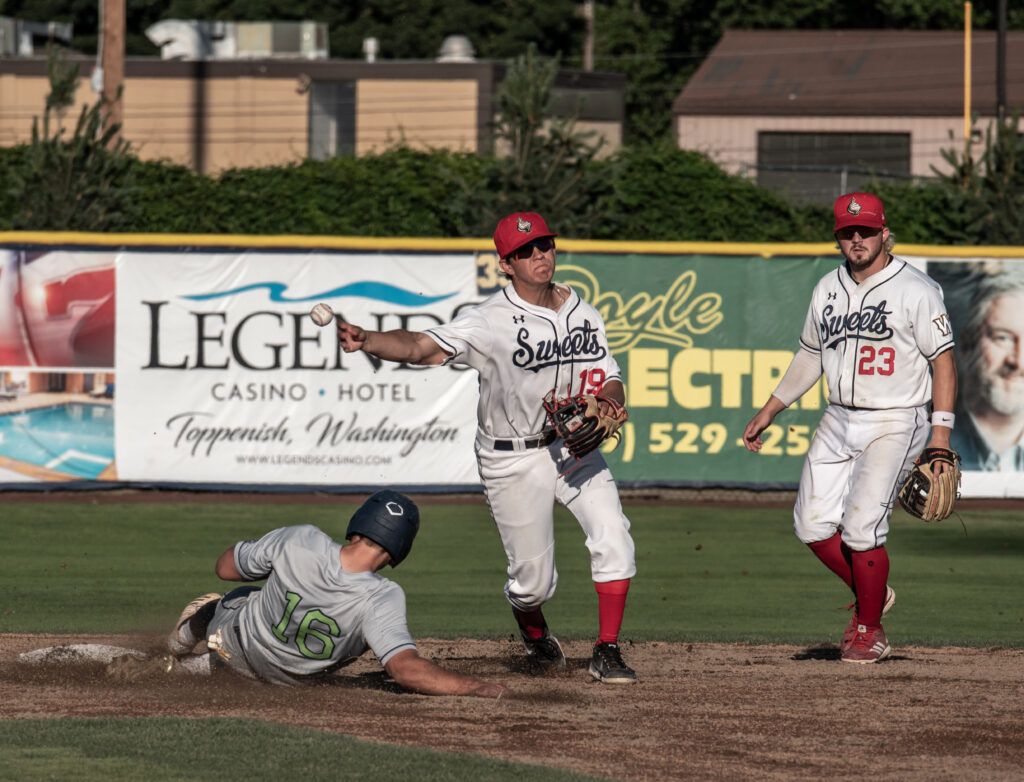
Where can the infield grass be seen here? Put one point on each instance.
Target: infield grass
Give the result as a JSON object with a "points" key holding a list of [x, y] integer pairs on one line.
{"points": [[166, 750], [705, 573]]}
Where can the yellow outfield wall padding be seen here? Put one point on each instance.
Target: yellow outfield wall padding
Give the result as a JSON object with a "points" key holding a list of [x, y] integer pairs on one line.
{"points": [[214, 241]]}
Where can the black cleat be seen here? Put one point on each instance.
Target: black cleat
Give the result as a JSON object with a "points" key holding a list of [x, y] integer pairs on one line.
{"points": [[545, 652], [606, 665]]}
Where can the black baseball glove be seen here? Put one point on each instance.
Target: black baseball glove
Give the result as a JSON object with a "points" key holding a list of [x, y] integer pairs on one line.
{"points": [[927, 495], [584, 421]]}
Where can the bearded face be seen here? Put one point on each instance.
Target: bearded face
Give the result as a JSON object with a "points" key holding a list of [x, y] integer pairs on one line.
{"points": [[999, 363], [861, 246]]}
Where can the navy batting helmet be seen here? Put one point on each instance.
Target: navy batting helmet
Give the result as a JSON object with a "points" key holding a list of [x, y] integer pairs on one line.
{"points": [[389, 519]]}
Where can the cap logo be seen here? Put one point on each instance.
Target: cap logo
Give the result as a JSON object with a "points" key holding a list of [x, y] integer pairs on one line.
{"points": [[523, 226], [395, 509], [853, 208]]}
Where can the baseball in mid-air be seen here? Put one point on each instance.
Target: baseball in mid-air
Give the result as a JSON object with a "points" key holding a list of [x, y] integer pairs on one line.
{"points": [[321, 314]]}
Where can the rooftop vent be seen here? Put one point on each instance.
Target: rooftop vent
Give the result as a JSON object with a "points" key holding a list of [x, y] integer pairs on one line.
{"points": [[370, 48], [190, 39], [22, 39], [456, 48]]}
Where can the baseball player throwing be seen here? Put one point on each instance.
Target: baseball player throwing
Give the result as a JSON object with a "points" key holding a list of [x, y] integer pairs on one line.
{"points": [[532, 338], [879, 331], [323, 605]]}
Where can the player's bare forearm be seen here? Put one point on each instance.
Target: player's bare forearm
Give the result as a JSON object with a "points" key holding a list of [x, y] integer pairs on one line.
{"points": [[399, 345], [410, 347], [415, 673], [944, 387], [615, 391], [225, 568], [762, 420]]}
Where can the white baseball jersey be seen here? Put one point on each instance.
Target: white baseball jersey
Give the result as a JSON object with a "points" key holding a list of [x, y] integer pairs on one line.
{"points": [[877, 337], [522, 352]]}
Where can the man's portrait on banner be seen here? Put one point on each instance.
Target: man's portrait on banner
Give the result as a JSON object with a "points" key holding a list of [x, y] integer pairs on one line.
{"points": [[986, 306]]}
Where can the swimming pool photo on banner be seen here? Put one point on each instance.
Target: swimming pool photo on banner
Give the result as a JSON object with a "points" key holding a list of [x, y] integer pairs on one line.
{"points": [[56, 426]]}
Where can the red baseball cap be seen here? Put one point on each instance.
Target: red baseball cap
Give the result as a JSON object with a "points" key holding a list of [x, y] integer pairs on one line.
{"points": [[859, 209], [517, 229]]}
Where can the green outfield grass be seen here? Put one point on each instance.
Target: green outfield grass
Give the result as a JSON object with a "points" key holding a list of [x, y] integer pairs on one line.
{"points": [[705, 574], [162, 750]]}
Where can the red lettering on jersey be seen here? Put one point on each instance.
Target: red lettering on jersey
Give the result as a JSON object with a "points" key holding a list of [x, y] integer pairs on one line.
{"points": [[888, 356], [594, 378], [886, 360]]}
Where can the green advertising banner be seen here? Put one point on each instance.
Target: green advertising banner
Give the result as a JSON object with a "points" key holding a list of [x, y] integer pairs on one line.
{"points": [[702, 341]]}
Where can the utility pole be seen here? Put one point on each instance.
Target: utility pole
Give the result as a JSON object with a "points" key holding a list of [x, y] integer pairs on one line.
{"points": [[112, 33], [1001, 64], [587, 12], [967, 79]]}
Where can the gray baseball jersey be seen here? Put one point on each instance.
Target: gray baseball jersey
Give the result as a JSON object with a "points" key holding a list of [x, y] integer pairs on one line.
{"points": [[311, 615], [877, 337], [522, 352]]}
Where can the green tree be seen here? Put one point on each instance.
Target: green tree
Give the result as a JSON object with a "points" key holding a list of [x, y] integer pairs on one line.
{"points": [[991, 185], [658, 192], [658, 44], [497, 30], [406, 30], [63, 78], [547, 164], [976, 199], [81, 182], [400, 192], [655, 56]]}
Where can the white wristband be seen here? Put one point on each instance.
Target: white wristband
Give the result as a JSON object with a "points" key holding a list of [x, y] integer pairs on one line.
{"points": [[940, 418]]}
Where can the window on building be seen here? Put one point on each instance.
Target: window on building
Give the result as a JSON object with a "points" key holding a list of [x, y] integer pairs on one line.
{"points": [[818, 167], [332, 119]]}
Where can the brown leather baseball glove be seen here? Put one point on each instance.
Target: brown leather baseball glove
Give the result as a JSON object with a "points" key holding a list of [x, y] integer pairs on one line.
{"points": [[584, 421], [927, 495]]}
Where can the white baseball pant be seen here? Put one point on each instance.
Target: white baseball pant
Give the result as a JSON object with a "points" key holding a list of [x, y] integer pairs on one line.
{"points": [[853, 468], [521, 488]]}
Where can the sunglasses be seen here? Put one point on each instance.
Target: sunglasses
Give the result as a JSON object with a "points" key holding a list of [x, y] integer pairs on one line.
{"points": [[544, 245], [846, 234]]}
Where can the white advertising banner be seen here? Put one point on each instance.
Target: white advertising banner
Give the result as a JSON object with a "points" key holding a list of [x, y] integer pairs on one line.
{"points": [[222, 376]]}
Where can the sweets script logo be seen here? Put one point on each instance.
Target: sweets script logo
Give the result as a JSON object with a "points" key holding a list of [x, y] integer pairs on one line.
{"points": [[669, 318]]}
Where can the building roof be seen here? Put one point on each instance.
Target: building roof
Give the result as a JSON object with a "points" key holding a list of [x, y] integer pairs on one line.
{"points": [[154, 67], [851, 72]]}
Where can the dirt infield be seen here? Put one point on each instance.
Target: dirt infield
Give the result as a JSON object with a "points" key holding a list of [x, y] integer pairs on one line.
{"points": [[700, 711]]}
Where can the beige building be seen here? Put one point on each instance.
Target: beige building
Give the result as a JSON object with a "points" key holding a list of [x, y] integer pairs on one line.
{"points": [[816, 113], [219, 114]]}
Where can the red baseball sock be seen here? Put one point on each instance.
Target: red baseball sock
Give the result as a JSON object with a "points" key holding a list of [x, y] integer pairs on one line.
{"points": [[835, 556], [870, 575], [611, 604], [531, 622]]}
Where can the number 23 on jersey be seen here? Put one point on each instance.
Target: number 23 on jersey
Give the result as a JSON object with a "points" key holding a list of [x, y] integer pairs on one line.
{"points": [[876, 361]]}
